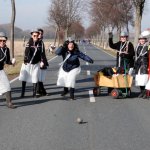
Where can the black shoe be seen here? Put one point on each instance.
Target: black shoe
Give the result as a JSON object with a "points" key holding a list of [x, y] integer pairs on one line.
{"points": [[37, 95], [11, 106], [141, 95], [72, 99], [21, 96], [145, 96], [64, 93]]}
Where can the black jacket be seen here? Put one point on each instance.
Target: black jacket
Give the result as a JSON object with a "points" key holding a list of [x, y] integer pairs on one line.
{"points": [[31, 47], [4, 57], [44, 59], [141, 61], [129, 47], [73, 61]]}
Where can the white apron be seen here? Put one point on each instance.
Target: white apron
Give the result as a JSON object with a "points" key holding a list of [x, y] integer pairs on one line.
{"points": [[4, 83], [67, 79], [42, 75], [29, 73]]}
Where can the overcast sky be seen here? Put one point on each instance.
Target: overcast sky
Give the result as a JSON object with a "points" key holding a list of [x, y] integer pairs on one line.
{"points": [[33, 13]]}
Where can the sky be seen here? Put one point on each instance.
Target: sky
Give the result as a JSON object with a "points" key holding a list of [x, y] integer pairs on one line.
{"points": [[31, 14]]}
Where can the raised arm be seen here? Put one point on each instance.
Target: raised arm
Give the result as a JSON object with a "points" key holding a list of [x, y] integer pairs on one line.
{"points": [[85, 57]]}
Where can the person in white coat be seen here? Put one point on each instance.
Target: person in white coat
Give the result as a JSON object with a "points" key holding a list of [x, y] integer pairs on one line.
{"points": [[5, 88]]}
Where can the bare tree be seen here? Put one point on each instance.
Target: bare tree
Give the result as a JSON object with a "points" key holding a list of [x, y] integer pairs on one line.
{"points": [[112, 13], [139, 8], [64, 13], [12, 26], [77, 30]]}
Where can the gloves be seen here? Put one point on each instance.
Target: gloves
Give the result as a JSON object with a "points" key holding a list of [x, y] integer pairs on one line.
{"points": [[13, 61], [110, 35], [41, 64], [122, 55], [91, 61]]}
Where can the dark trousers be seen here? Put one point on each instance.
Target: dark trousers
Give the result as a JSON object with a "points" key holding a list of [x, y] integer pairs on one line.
{"points": [[40, 88], [8, 96], [71, 92], [24, 87]]}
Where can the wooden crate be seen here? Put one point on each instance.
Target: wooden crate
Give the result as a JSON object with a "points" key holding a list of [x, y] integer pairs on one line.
{"points": [[115, 81]]}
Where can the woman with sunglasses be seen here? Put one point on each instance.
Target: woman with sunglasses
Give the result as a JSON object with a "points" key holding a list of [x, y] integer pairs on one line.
{"points": [[5, 88], [33, 58], [70, 67]]}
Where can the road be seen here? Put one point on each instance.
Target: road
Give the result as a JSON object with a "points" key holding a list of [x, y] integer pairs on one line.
{"points": [[49, 122]]}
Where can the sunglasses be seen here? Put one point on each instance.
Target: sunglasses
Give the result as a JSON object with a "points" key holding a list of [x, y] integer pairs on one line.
{"points": [[3, 41], [35, 35], [123, 36]]}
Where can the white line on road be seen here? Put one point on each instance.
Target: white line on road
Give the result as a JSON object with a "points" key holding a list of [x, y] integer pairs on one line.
{"points": [[18, 77], [92, 98], [52, 58], [88, 72]]}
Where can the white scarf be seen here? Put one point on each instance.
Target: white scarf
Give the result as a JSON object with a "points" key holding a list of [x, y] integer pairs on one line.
{"points": [[4, 54], [68, 55]]}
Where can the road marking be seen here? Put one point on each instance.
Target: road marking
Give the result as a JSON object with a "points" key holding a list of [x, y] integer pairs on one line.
{"points": [[92, 98], [18, 76], [52, 58], [88, 72], [14, 80]]}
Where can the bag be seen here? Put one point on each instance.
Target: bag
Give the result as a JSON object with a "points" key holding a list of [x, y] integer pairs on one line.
{"points": [[141, 79]]}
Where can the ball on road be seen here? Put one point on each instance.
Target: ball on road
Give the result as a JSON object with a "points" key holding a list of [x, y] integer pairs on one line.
{"points": [[79, 120]]}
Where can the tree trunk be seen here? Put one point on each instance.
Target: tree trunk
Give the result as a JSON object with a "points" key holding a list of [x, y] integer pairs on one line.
{"points": [[137, 26], [66, 33], [56, 32], [12, 26], [58, 36]]}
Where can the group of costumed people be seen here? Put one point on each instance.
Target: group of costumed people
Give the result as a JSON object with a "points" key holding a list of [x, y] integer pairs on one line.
{"points": [[136, 59], [33, 69]]}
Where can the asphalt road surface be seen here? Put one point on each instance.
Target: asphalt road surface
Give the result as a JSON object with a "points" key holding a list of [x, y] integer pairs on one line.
{"points": [[49, 122]]}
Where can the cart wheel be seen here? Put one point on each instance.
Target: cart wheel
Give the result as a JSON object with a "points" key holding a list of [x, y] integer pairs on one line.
{"points": [[96, 91], [115, 93]]}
